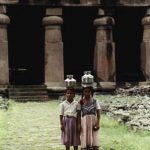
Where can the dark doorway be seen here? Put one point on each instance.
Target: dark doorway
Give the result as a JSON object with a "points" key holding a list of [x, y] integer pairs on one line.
{"points": [[26, 44], [79, 40], [128, 32]]}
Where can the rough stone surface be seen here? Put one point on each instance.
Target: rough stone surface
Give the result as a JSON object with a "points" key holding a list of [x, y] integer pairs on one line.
{"points": [[9, 1], [3, 103], [133, 110], [54, 11], [104, 55], [4, 75], [134, 2], [89, 1], [54, 65]]}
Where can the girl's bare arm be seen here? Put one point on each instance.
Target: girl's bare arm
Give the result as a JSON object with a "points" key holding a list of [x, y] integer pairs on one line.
{"points": [[61, 123], [98, 118]]}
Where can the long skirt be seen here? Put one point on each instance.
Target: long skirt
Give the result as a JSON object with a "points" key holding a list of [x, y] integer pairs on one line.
{"points": [[70, 135], [89, 137]]}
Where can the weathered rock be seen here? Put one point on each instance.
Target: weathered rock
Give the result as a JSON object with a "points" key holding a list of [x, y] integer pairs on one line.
{"points": [[133, 112], [3, 103]]}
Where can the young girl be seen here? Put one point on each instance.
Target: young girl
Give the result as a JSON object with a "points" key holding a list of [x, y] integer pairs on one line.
{"points": [[68, 120], [89, 120]]}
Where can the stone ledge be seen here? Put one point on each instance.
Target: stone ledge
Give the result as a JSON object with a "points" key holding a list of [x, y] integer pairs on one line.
{"points": [[9, 1], [107, 85], [57, 87], [132, 84], [54, 11]]}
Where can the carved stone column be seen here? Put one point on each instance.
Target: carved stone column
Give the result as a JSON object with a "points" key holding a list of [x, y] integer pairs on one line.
{"points": [[104, 57], [145, 47], [54, 65], [4, 67]]}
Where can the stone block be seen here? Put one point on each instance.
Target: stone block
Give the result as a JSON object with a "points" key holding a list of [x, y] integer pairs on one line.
{"points": [[89, 2], [107, 85], [134, 2], [54, 11], [9, 1], [2, 9], [53, 35], [56, 86]]}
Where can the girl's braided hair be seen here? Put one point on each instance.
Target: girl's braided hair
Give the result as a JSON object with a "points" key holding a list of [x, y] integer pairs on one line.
{"points": [[88, 87]]}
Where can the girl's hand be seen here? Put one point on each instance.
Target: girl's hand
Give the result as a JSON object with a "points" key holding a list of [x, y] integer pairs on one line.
{"points": [[62, 127], [96, 127], [82, 101]]}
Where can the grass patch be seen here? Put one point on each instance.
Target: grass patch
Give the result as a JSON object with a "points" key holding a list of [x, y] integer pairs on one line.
{"points": [[115, 136], [35, 126], [3, 126]]}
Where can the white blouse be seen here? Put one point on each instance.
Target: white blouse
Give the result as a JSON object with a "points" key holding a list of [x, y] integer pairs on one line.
{"points": [[68, 109]]}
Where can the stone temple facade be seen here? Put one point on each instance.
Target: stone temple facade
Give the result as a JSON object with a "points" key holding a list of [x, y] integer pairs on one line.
{"points": [[42, 41]]}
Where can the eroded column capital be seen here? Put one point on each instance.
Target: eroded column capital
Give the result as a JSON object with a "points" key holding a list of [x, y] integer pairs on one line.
{"points": [[4, 19], [107, 20], [52, 20], [146, 20]]}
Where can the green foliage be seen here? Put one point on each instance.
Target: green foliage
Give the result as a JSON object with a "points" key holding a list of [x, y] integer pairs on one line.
{"points": [[115, 136]]}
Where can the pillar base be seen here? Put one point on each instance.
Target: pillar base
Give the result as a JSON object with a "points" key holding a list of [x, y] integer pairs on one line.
{"points": [[145, 83], [3, 90], [3, 86], [106, 85], [55, 84]]}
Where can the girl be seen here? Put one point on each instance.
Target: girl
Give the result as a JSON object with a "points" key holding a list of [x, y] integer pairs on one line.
{"points": [[89, 120], [68, 120]]}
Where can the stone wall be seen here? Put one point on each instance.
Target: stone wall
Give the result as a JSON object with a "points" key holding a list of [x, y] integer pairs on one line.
{"points": [[134, 2], [9, 1], [103, 2]]}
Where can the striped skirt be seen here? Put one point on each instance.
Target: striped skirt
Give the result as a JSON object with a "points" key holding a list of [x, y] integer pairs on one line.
{"points": [[70, 135]]}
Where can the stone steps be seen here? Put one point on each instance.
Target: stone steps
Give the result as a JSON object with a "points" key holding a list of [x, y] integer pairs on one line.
{"points": [[24, 93]]}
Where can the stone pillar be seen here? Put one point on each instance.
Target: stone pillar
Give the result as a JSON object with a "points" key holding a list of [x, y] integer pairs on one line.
{"points": [[104, 57], [4, 67], [54, 65], [145, 47]]}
